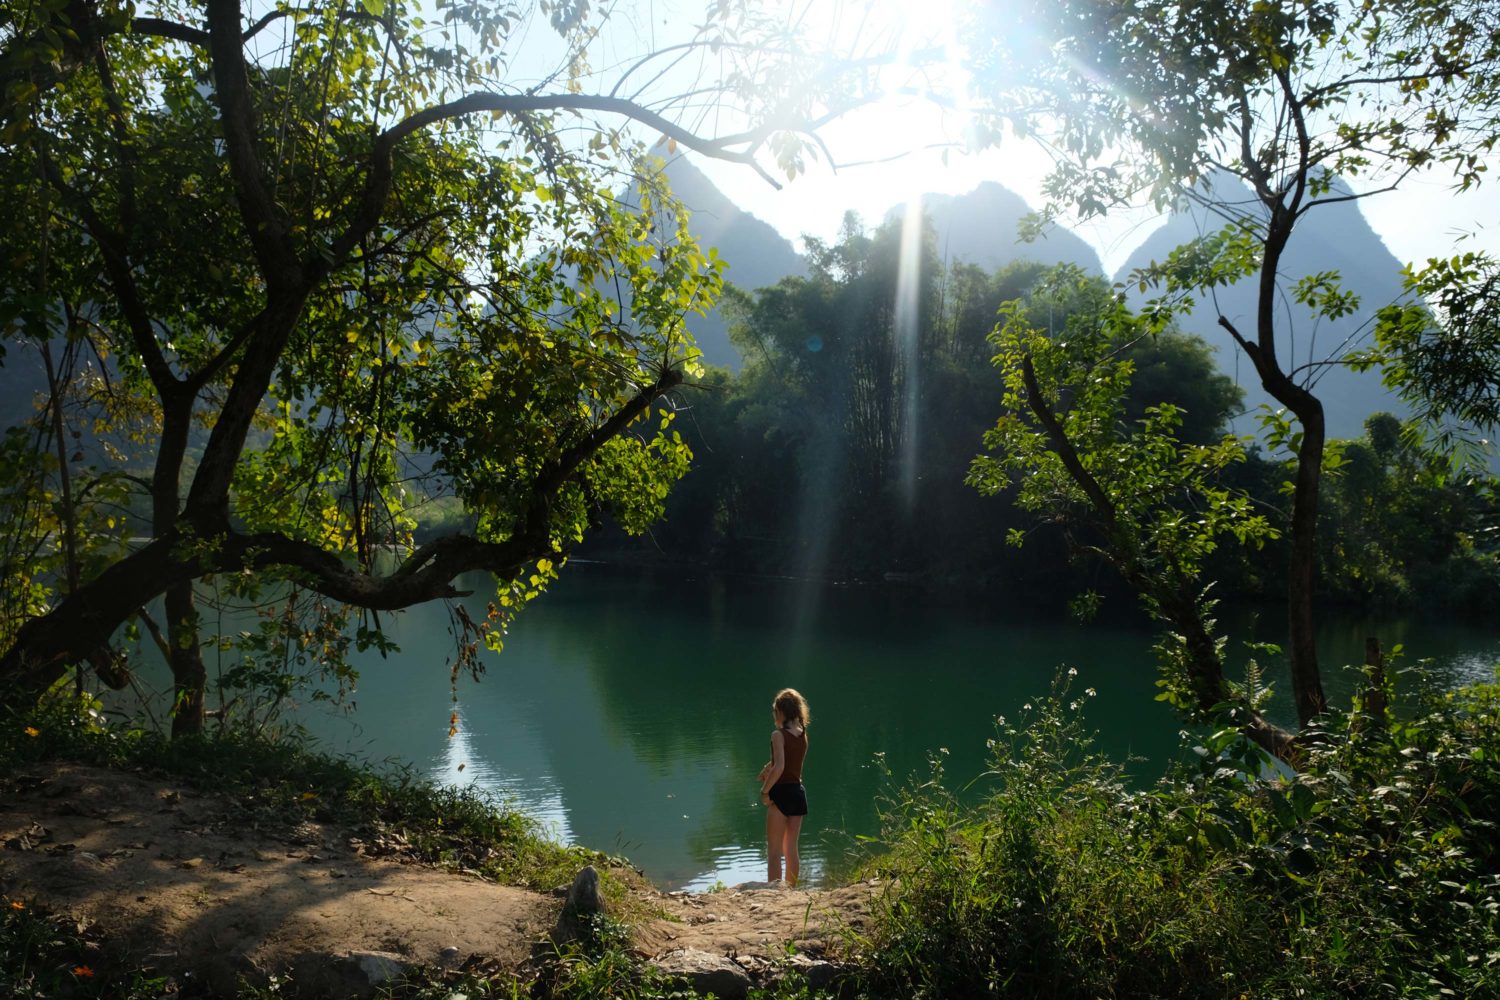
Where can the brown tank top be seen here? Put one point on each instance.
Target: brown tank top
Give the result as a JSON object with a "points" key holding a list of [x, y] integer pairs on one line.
{"points": [[793, 753]]}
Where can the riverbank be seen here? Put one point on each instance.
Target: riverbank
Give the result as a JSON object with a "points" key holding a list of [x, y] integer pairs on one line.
{"points": [[169, 876], [137, 867], [570, 721]]}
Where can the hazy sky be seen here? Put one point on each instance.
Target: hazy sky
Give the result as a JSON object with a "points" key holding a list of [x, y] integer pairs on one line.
{"points": [[1423, 219], [896, 140]]}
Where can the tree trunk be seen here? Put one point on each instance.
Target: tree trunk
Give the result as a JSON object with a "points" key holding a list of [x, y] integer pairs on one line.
{"points": [[1206, 675], [1302, 571], [1204, 667], [84, 620], [1302, 575], [189, 677]]}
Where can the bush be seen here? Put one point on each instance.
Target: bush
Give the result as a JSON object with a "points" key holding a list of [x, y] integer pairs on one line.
{"points": [[1372, 873]]}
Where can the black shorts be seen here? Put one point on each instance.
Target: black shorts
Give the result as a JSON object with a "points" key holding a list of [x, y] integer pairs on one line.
{"points": [[790, 799]]}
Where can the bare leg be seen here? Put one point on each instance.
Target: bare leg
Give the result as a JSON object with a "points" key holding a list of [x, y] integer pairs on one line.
{"points": [[776, 823], [789, 848]]}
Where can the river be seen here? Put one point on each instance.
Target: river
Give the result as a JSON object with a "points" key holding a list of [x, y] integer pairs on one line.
{"points": [[630, 711]]}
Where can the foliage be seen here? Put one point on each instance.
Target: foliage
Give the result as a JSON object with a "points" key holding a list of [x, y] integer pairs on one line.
{"points": [[834, 441], [294, 273], [46, 955], [1401, 529], [1065, 357], [1372, 873], [1441, 348]]}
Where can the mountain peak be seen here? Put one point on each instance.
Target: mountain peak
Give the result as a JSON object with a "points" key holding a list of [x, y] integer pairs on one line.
{"points": [[1330, 237], [754, 253], [982, 227]]}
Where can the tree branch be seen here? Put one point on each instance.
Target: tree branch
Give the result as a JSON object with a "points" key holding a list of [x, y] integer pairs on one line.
{"points": [[1103, 506], [1345, 83], [265, 222], [158, 27], [1245, 345], [122, 281], [379, 177], [198, 379], [569, 461]]}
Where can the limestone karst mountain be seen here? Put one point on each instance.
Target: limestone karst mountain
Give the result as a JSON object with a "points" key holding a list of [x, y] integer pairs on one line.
{"points": [[1334, 237], [981, 227], [756, 254]]}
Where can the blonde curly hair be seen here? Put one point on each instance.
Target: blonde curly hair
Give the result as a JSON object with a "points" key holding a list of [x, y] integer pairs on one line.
{"points": [[791, 706]]}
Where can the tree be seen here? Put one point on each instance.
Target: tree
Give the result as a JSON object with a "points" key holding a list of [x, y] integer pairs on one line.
{"points": [[1401, 527], [1441, 348], [293, 270], [1151, 98], [1128, 483]]}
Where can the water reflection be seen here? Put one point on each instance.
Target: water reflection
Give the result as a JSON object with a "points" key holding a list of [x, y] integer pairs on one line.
{"points": [[629, 713]]}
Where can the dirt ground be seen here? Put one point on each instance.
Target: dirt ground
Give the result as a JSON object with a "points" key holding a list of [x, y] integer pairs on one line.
{"points": [[186, 883]]}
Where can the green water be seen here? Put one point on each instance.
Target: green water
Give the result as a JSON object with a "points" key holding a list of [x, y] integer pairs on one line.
{"points": [[630, 712]]}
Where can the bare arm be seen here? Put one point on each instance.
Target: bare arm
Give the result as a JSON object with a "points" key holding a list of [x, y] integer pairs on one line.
{"points": [[772, 771]]}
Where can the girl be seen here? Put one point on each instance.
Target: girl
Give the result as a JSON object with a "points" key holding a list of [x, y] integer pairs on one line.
{"points": [[781, 790]]}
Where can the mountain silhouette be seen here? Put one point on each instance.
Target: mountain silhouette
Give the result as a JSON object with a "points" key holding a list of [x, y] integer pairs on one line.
{"points": [[756, 254], [981, 227], [1332, 237]]}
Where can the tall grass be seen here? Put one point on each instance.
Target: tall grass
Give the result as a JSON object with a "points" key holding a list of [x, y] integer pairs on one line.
{"points": [[1373, 873]]}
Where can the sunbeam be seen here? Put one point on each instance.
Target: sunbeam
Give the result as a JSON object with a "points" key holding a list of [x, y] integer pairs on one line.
{"points": [[908, 337]]}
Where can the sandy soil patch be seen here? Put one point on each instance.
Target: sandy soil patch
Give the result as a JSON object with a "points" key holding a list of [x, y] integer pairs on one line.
{"points": [[189, 882]]}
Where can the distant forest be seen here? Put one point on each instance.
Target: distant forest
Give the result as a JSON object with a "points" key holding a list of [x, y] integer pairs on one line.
{"points": [[840, 450]]}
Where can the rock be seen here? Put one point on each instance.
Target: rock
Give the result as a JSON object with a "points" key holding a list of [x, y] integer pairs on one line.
{"points": [[377, 967], [758, 968], [583, 904], [448, 956], [583, 898], [821, 976], [704, 973], [347, 974]]}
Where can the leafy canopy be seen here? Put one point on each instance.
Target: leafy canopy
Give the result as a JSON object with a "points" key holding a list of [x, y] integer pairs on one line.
{"points": [[307, 270]]}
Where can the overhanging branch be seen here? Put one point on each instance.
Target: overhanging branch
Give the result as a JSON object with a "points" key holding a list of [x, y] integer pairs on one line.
{"points": [[738, 148], [159, 27]]}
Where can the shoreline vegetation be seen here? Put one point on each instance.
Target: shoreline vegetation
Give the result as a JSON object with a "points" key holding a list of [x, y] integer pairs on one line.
{"points": [[1374, 871], [425, 320]]}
